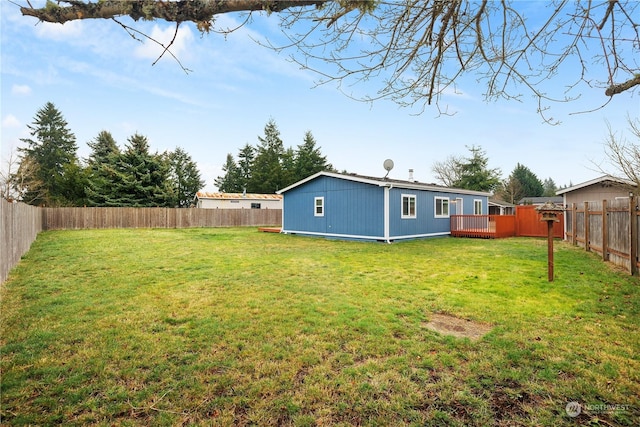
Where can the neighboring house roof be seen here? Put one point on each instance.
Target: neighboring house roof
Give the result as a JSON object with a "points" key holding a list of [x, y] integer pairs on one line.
{"points": [[497, 202], [382, 182], [237, 196], [540, 200], [605, 179]]}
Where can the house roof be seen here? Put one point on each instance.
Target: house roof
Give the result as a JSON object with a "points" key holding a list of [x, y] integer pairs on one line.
{"points": [[497, 202], [539, 200], [385, 182], [601, 180], [237, 196]]}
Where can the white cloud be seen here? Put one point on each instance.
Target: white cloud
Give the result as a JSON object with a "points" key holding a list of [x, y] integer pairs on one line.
{"points": [[70, 30], [11, 121], [150, 49], [20, 90]]}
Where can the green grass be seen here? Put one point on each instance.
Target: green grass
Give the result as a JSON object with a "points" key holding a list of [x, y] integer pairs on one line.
{"points": [[236, 327]]}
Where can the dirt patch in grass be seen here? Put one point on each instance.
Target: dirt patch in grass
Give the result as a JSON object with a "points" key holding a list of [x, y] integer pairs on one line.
{"points": [[461, 328]]}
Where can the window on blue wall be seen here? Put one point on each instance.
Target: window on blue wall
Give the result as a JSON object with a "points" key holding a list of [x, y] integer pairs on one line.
{"points": [[477, 207], [408, 206], [442, 207], [318, 206]]}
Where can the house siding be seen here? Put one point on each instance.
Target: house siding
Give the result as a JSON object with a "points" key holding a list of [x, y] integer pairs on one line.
{"points": [[356, 209], [350, 208]]}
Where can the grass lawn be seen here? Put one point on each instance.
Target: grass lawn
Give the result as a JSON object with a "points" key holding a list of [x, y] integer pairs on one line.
{"points": [[236, 327]]}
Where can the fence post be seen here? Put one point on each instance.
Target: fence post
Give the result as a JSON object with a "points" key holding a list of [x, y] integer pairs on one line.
{"points": [[605, 235], [633, 230], [586, 227], [574, 224]]}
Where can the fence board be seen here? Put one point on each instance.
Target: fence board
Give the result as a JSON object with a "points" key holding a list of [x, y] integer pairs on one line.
{"points": [[528, 223], [20, 226], [87, 218]]}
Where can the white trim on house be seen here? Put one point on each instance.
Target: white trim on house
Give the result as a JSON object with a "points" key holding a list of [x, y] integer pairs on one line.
{"points": [[409, 214], [595, 181], [316, 206], [437, 199], [382, 182], [355, 236], [475, 205]]}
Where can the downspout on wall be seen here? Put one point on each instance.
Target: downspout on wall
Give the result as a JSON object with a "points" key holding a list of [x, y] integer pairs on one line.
{"points": [[387, 214]]}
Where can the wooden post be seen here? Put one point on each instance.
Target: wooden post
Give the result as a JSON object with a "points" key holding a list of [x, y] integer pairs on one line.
{"points": [[574, 224], [633, 229], [586, 227], [605, 234], [550, 250]]}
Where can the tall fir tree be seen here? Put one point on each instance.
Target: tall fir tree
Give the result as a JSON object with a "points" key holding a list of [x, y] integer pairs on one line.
{"points": [[267, 174], [230, 181], [475, 174], [50, 159], [246, 157], [101, 166], [141, 178], [309, 159], [184, 178], [529, 182], [549, 188], [288, 162]]}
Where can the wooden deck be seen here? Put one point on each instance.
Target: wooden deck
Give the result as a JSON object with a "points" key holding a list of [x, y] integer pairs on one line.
{"points": [[483, 226], [270, 229]]}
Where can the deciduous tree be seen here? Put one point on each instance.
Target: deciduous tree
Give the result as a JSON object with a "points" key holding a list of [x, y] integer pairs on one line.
{"points": [[418, 50]]}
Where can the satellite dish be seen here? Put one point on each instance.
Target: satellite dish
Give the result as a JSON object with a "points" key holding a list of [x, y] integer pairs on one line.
{"points": [[388, 165]]}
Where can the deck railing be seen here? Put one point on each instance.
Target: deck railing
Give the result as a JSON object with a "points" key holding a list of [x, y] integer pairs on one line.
{"points": [[483, 226]]}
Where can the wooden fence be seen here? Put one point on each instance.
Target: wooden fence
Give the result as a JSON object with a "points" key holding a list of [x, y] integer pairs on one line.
{"points": [[87, 218], [528, 223], [19, 227], [21, 223], [609, 228]]}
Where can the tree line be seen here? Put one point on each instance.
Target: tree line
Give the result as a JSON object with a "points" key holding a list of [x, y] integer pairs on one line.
{"points": [[50, 173], [269, 167], [473, 173]]}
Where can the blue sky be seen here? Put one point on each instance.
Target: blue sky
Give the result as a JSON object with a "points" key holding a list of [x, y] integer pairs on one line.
{"points": [[102, 79]]}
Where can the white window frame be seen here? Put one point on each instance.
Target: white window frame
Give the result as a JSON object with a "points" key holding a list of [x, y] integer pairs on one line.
{"points": [[439, 201], [476, 203], [316, 206], [409, 215]]}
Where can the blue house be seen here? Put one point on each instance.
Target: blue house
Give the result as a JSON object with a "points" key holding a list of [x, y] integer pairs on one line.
{"points": [[349, 206]]}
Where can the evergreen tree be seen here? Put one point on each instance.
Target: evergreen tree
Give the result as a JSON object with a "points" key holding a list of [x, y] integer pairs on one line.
{"points": [[531, 185], [140, 178], [549, 188], [246, 157], [230, 182], [48, 154], [288, 162], [510, 190], [267, 174], [101, 167], [474, 173], [184, 178], [309, 159]]}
